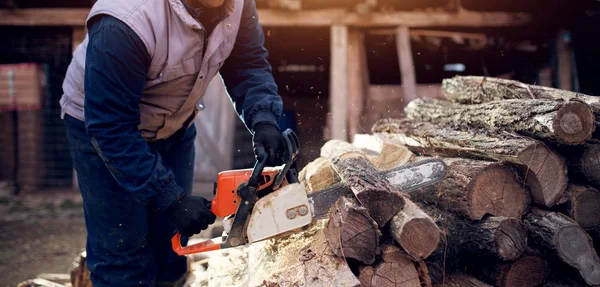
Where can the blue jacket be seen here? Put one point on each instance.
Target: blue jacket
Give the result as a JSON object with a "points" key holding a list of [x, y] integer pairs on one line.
{"points": [[116, 67]]}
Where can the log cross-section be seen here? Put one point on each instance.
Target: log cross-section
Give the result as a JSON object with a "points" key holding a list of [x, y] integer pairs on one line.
{"points": [[475, 188], [351, 232], [560, 236]]}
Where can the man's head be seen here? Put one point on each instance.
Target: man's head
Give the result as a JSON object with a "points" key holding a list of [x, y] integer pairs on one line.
{"points": [[205, 3]]}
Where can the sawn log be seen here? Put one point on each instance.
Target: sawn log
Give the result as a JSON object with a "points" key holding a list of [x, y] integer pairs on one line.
{"points": [[559, 122], [542, 169]]}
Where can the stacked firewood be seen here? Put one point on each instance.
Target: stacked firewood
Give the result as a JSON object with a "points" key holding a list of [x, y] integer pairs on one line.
{"points": [[518, 206]]}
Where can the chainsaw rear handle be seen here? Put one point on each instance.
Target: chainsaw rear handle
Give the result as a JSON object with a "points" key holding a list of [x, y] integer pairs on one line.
{"points": [[210, 245]]}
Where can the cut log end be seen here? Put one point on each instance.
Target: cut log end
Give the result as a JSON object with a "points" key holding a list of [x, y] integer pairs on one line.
{"points": [[574, 246], [351, 233], [415, 231], [545, 174], [575, 123], [382, 204], [583, 205], [527, 271], [591, 164], [498, 192], [510, 239], [396, 269]]}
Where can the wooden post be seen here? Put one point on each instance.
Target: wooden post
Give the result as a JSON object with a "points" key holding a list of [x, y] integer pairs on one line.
{"points": [[407, 67], [338, 83], [564, 55], [358, 80]]}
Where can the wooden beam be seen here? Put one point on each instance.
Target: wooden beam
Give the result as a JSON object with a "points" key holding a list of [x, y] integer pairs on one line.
{"points": [[338, 83], [358, 81], [305, 18], [44, 17], [78, 35], [407, 67]]}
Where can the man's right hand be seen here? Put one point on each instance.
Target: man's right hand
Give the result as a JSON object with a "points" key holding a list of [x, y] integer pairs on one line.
{"points": [[190, 215]]}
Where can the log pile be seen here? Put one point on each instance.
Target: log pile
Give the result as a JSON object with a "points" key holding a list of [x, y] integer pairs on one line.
{"points": [[522, 160], [519, 205]]}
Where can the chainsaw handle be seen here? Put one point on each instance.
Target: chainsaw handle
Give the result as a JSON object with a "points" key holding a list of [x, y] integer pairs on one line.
{"points": [[257, 170], [205, 246]]}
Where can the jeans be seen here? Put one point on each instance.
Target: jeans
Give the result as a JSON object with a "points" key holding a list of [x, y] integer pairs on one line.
{"points": [[127, 243]]}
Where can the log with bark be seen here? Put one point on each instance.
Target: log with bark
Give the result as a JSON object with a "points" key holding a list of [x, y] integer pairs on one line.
{"points": [[582, 204], [542, 169], [566, 123], [527, 271], [583, 163], [495, 238], [475, 188], [351, 232], [414, 230], [558, 235], [477, 89]]}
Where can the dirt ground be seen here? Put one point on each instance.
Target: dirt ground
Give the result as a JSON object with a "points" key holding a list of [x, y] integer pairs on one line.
{"points": [[43, 233]]}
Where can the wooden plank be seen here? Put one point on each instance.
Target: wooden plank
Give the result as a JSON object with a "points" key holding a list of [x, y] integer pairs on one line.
{"points": [[407, 67], [338, 83], [306, 18], [357, 79]]}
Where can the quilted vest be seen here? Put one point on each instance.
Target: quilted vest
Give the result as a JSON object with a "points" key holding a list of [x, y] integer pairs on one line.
{"points": [[178, 74]]}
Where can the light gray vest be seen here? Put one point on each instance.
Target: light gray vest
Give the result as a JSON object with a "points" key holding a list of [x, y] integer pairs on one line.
{"points": [[178, 75]]}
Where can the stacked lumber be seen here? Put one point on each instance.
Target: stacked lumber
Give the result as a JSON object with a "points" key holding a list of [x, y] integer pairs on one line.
{"points": [[521, 159]]}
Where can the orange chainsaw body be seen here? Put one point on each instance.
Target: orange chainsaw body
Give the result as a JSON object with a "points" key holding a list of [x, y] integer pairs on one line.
{"points": [[226, 200]]}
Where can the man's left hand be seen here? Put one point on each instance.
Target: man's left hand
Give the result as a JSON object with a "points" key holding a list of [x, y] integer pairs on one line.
{"points": [[268, 139]]}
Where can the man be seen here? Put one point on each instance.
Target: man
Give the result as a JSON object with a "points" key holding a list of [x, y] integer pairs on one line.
{"points": [[131, 94]]}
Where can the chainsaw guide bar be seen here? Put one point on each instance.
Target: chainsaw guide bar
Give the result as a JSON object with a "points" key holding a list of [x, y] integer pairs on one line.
{"points": [[406, 178]]}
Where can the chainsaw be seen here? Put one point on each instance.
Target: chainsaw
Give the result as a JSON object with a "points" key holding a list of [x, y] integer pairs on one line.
{"points": [[265, 202]]}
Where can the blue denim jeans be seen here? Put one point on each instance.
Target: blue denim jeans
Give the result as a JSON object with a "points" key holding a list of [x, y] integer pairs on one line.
{"points": [[127, 243]]}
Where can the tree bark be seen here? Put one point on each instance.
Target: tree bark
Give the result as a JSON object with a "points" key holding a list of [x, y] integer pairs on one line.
{"points": [[528, 271], [582, 204], [475, 188], [351, 232], [476, 90], [558, 235], [583, 163], [415, 231], [543, 170], [566, 123], [373, 191], [498, 238]]}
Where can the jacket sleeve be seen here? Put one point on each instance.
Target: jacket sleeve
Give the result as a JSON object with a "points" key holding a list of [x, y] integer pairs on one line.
{"points": [[247, 73], [115, 72]]}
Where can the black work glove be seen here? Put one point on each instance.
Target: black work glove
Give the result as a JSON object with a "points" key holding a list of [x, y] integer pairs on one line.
{"points": [[267, 138], [190, 215]]}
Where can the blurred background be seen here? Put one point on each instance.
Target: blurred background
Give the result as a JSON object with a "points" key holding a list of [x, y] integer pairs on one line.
{"points": [[340, 65]]}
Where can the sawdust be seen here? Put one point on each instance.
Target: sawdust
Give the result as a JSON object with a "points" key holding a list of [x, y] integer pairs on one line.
{"points": [[299, 259]]}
